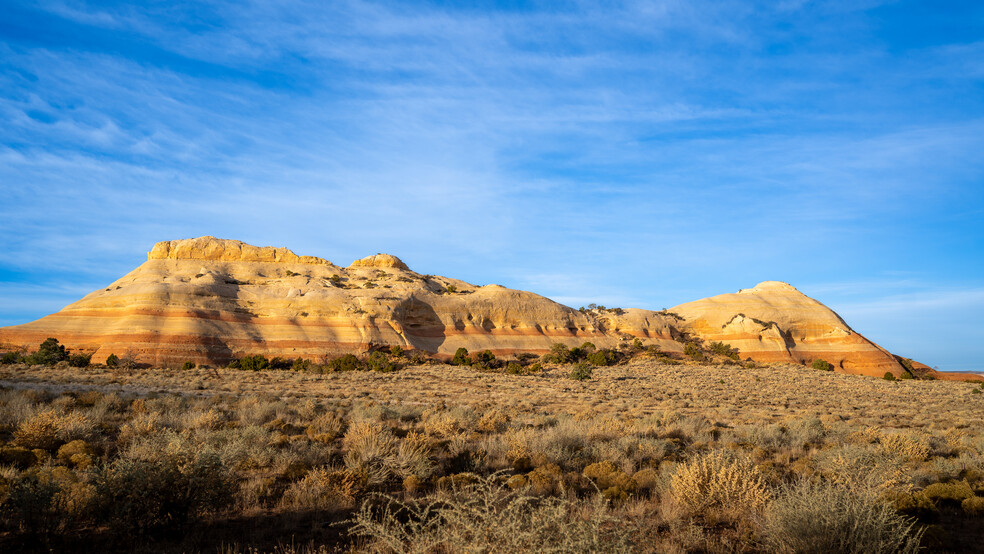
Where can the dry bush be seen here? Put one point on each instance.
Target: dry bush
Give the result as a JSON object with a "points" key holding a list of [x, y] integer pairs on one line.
{"points": [[863, 467], [827, 517], [47, 428], [369, 451], [488, 517], [38, 431], [326, 427], [973, 506], [493, 421], [413, 457], [323, 489], [905, 446], [729, 485], [15, 408]]}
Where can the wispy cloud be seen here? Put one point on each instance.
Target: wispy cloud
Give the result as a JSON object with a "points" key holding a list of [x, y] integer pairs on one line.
{"points": [[636, 153]]}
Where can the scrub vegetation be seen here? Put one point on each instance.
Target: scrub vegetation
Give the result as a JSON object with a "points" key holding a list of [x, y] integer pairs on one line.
{"points": [[395, 452]]}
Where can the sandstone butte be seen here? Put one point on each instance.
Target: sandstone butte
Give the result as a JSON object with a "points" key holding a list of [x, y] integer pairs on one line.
{"points": [[209, 301]]}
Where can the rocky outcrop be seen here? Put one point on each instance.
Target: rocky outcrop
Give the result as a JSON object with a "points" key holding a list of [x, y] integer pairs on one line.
{"points": [[774, 322], [221, 250], [210, 300], [381, 261]]}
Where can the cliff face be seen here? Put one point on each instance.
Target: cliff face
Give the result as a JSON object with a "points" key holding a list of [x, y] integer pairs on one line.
{"points": [[209, 300]]}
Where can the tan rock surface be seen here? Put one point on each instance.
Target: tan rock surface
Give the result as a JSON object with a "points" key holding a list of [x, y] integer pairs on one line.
{"points": [[210, 300], [774, 322]]}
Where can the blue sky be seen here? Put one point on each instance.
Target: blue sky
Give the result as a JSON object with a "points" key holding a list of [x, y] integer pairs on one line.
{"points": [[636, 154]]}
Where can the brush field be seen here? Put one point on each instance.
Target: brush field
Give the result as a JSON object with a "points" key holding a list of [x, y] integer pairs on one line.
{"points": [[647, 456]]}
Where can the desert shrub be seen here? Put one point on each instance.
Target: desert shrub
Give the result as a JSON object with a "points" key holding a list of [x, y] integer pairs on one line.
{"points": [[79, 360], [348, 362], [413, 457], [139, 495], [727, 484], [323, 489], [889, 376], [487, 516], [369, 449], [822, 365], [722, 349], [187, 366], [602, 357], [396, 351], [461, 357], [30, 503], [485, 357], [77, 453], [559, 354], [581, 371], [514, 368], [493, 421], [904, 445], [112, 360], [251, 363], [48, 353], [17, 456], [326, 427], [379, 361], [613, 483], [953, 492], [11, 358], [825, 517], [694, 351], [973, 506], [863, 467], [280, 363], [39, 431]]}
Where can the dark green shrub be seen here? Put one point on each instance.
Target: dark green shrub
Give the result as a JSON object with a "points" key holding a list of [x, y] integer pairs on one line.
{"points": [[396, 351], [513, 368], [722, 349], [188, 366], [461, 357], [559, 354], [378, 361], [602, 357], [335, 280], [694, 351], [485, 357], [889, 376], [251, 363], [348, 362], [451, 289], [581, 371], [79, 360], [822, 365], [112, 360], [281, 363], [140, 495], [11, 358], [300, 364], [48, 353]]}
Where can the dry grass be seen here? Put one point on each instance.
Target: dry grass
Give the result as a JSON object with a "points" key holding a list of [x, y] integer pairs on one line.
{"points": [[646, 456]]}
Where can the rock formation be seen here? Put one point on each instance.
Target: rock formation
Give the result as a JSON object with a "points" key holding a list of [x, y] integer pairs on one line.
{"points": [[210, 301], [774, 322]]}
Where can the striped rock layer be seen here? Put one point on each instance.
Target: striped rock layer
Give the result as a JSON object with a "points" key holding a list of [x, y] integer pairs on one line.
{"points": [[209, 300]]}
